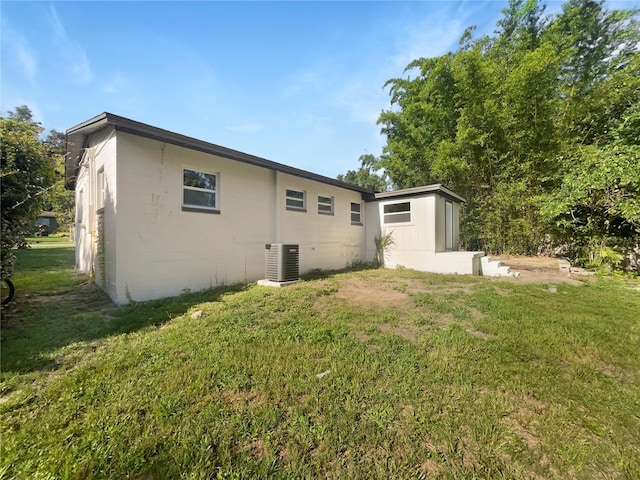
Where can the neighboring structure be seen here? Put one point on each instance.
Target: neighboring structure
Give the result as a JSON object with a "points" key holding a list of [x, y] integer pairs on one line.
{"points": [[158, 213], [46, 219]]}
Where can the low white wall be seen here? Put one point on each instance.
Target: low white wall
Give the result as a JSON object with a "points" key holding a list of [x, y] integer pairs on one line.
{"points": [[461, 263]]}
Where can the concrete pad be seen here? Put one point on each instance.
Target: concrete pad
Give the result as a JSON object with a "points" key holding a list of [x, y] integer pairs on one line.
{"points": [[271, 283]]}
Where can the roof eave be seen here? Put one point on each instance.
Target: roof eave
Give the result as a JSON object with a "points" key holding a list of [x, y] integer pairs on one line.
{"points": [[420, 191], [76, 138]]}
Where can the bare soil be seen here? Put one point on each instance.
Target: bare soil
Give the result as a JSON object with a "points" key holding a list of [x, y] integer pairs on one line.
{"points": [[539, 270]]}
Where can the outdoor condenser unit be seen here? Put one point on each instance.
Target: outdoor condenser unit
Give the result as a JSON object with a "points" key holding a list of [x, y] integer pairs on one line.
{"points": [[281, 262]]}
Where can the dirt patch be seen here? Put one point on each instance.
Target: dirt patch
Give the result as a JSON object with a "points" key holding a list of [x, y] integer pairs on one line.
{"points": [[372, 294], [539, 270]]}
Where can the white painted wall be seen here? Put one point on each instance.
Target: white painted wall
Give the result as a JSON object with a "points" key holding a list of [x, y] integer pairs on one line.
{"points": [[101, 155], [420, 243], [154, 249], [326, 241], [163, 250]]}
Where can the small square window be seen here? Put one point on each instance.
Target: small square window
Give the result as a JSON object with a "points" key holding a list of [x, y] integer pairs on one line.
{"points": [[199, 191], [356, 213], [295, 200], [325, 205]]}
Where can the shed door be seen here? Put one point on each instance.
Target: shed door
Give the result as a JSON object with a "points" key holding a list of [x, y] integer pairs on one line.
{"points": [[448, 225]]}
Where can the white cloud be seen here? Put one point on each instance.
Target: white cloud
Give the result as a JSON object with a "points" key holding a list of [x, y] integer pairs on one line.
{"points": [[427, 39], [27, 59], [71, 52]]}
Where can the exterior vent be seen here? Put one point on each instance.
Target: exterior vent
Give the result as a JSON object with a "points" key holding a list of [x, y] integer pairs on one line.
{"points": [[281, 262]]}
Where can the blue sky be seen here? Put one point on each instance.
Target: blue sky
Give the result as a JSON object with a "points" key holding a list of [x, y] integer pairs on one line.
{"points": [[299, 83]]}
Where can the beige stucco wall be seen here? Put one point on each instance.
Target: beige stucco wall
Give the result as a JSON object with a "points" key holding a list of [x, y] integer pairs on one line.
{"points": [[326, 241], [163, 250], [418, 243], [100, 155]]}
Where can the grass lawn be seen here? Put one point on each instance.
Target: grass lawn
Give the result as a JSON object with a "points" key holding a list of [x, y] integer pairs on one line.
{"points": [[365, 374]]}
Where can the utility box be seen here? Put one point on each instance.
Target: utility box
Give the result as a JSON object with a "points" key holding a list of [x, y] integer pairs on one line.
{"points": [[282, 262]]}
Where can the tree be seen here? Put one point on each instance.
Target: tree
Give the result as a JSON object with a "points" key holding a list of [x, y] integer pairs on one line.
{"points": [[59, 199], [365, 176], [505, 118], [26, 173]]}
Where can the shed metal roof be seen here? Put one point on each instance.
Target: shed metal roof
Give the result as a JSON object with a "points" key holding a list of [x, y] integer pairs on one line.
{"points": [[419, 191]]}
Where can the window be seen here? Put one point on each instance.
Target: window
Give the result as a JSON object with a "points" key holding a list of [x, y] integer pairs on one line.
{"points": [[397, 212], [295, 200], [100, 189], [325, 205], [79, 204], [448, 225], [200, 191], [356, 214]]}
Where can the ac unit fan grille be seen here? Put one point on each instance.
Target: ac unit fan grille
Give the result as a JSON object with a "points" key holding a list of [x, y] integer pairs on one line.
{"points": [[282, 262]]}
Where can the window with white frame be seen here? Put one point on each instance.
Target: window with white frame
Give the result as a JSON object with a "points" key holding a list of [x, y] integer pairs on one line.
{"points": [[100, 189], [199, 191], [356, 213], [325, 205], [296, 200], [397, 212]]}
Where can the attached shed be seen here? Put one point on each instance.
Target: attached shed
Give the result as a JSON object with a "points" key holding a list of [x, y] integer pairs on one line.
{"points": [[158, 213], [424, 224]]}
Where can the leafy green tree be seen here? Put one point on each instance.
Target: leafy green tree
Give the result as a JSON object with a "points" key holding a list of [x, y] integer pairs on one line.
{"points": [[502, 120], [366, 175], [26, 173], [59, 199]]}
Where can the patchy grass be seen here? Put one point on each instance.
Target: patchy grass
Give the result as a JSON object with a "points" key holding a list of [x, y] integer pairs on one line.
{"points": [[367, 374]]}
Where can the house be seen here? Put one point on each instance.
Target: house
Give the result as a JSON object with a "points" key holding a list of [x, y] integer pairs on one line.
{"points": [[158, 213]]}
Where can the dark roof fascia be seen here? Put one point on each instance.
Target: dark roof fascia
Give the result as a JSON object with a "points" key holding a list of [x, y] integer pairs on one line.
{"points": [[132, 127], [420, 192]]}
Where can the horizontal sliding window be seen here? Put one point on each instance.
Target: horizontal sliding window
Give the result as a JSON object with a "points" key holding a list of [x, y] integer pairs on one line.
{"points": [[397, 212], [325, 205], [295, 199], [199, 190]]}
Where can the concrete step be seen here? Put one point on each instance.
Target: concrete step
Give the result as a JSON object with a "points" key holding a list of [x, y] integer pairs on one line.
{"points": [[494, 268]]}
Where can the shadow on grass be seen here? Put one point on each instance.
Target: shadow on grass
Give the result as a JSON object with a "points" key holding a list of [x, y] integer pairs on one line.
{"points": [[33, 328], [319, 274]]}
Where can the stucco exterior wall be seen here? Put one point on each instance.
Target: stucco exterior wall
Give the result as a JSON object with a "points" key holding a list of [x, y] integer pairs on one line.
{"points": [[413, 238], [418, 244], [163, 250], [152, 247], [372, 229], [326, 241], [93, 202]]}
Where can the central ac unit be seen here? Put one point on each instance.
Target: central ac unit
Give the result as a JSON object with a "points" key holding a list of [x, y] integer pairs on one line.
{"points": [[282, 262]]}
